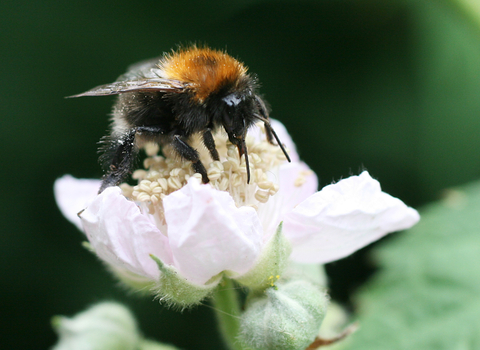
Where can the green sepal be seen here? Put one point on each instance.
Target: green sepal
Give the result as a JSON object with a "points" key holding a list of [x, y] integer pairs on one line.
{"points": [[177, 291], [270, 264], [287, 317]]}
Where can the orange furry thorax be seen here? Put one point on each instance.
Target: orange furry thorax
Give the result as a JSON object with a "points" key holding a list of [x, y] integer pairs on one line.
{"points": [[205, 69]]}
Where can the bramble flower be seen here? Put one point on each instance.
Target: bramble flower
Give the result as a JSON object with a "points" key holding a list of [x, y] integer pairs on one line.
{"points": [[172, 225]]}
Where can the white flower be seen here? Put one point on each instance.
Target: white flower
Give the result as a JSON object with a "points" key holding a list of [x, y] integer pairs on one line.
{"points": [[204, 230], [344, 217]]}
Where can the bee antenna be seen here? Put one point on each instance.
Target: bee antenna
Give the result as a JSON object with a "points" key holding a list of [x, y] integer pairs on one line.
{"points": [[279, 142], [269, 128]]}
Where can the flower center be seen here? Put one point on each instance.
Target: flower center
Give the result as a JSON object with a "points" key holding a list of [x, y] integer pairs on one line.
{"points": [[165, 174]]}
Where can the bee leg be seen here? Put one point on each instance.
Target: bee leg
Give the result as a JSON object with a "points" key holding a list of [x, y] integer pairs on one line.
{"points": [[209, 142], [119, 154], [189, 153]]}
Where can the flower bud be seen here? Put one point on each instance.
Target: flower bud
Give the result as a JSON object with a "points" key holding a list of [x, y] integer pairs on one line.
{"points": [[287, 317], [104, 326], [270, 263], [153, 345]]}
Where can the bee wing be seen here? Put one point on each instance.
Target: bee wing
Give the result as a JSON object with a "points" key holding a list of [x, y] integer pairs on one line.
{"points": [[142, 76], [119, 87]]}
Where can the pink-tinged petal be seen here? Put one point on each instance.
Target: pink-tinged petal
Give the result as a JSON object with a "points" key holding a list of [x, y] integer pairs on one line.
{"points": [[122, 236], [208, 234], [344, 217], [296, 183], [73, 195]]}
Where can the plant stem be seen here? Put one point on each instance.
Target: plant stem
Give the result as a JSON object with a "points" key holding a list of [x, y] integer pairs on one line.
{"points": [[227, 309]]}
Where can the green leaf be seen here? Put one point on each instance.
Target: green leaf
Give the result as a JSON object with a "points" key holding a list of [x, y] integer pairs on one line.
{"points": [[470, 8], [427, 293]]}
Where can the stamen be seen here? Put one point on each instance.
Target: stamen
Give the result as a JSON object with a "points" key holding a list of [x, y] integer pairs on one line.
{"points": [[165, 174], [151, 149]]}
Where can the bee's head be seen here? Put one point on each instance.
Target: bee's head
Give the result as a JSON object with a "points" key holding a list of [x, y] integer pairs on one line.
{"points": [[235, 111]]}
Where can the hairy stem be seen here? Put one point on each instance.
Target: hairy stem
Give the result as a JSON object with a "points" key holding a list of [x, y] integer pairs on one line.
{"points": [[227, 309]]}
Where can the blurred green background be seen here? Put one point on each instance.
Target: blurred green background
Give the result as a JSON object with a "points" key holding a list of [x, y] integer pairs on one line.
{"points": [[388, 86]]}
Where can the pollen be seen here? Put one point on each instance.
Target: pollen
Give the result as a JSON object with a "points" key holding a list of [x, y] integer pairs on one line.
{"points": [[206, 70], [164, 174], [272, 280]]}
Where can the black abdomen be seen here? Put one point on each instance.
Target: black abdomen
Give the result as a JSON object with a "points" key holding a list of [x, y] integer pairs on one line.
{"points": [[146, 109]]}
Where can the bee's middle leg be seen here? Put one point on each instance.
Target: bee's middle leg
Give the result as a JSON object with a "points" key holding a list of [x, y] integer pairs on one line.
{"points": [[189, 153]]}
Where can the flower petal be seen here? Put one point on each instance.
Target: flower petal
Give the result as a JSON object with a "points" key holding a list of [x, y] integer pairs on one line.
{"points": [[296, 183], [208, 234], [124, 237], [73, 195], [343, 218]]}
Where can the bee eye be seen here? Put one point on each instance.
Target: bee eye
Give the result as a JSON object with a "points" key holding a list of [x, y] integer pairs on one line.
{"points": [[232, 100]]}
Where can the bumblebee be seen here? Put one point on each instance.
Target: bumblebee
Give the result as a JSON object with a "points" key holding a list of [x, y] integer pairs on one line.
{"points": [[169, 99]]}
